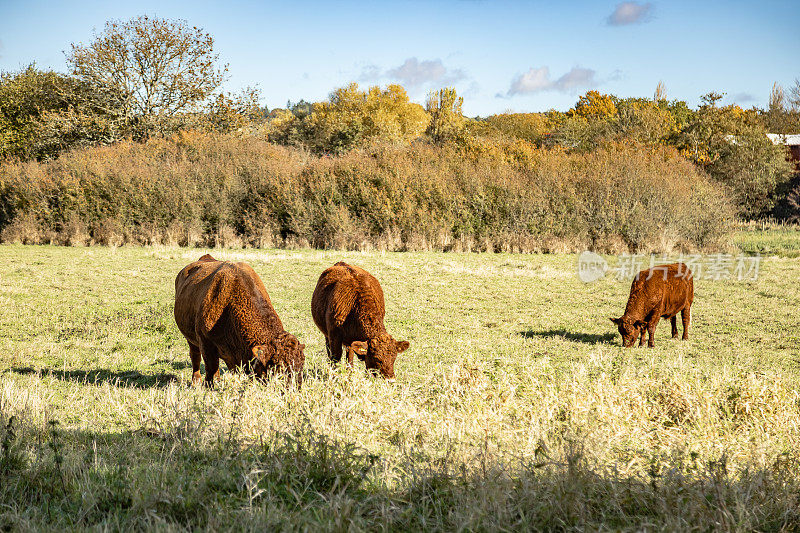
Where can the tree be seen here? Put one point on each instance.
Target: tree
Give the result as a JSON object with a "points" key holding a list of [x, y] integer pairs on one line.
{"points": [[350, 118], [661, 92], [779, 118], [731, 144], [43, 113], [777, 98], [795, 98], [160, 67], [531, 127], [447, 118], [229, 112], [594, 106], [645, 121]]}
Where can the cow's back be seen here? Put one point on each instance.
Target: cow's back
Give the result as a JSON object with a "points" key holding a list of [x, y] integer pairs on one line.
{"points": [[679, 292], [667, 287], [341, 289], [192, 286]]}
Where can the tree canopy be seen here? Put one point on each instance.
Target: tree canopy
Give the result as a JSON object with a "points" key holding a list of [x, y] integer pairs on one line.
{"points": [[160, 67]]}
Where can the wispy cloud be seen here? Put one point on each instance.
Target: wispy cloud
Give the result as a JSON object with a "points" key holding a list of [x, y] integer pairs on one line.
{"points": [[415, 73], [630, 13], [538, 80], [743, 98], [370, 73]]}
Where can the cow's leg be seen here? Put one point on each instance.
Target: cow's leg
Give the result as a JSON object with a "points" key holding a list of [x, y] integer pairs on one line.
{"points": [[194, 355], [674, 322], [642, 333], [651, 330], [335, 349], [211, 359], [685, 319]]}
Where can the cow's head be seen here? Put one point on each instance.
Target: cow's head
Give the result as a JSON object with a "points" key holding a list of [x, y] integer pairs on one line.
{"points": [[629, 329], [283, 353], [379, 353]]}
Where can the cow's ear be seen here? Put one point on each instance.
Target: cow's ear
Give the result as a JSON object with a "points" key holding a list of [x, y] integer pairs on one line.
{"points": [[359, 347], [402, 346], [639, 324], [616, 320], [260, 352]]}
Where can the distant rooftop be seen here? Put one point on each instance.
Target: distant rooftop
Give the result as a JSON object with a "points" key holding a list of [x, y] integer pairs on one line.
{"points": [[780, 138]]}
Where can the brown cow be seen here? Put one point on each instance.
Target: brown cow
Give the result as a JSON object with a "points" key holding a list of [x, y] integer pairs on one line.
{"points": [[661, 291], [348, 308], [224, 312]]}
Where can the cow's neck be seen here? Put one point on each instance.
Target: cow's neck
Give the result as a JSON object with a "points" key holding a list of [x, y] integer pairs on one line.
{"points": [[635, 309], [255, 320]]}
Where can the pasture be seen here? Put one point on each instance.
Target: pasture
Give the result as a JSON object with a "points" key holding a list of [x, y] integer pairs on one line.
{"points": [[514, 408]]}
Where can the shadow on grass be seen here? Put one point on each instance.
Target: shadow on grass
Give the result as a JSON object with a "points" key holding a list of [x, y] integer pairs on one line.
{"points": [[307, 477], [177, 365], [125, 378], [586, 338]]}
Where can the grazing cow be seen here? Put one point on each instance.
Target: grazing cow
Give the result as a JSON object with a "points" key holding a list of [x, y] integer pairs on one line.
{"points": [[661, 291], [224, 312], [348, 308]]}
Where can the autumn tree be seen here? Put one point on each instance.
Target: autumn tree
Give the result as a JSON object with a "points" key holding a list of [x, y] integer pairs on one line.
{"points": [[779, 117], [644, 121], [162, 68], [585, 125], [447, 118], [43, 113], [350, 118], [731, 144], [794, 99], [531, 127], [594, 106], [660, 93], [227, 112]]}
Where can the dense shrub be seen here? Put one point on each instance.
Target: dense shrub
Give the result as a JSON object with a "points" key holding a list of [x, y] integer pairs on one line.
{"points": [[212, 189]]}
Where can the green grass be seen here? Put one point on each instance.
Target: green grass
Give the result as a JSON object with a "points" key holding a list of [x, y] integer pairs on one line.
{"points": [[783, 241], [515, 407]]}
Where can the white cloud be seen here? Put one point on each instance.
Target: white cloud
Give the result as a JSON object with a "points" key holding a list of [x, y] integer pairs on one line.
{"points": [[414, 73], [575, 78], [630, 13], [538, 80]]}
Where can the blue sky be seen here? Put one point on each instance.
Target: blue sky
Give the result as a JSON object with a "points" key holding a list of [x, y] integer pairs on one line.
{"points": [[500, 55]]}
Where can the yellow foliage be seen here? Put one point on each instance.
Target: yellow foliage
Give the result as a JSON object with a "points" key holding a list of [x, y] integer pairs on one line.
{"points": [[594, 105], [387, 114], [447, 119], [528, 126]]}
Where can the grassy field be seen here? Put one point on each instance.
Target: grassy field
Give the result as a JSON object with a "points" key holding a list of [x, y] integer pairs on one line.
{"points": [[515, 407], [781, 240]]}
